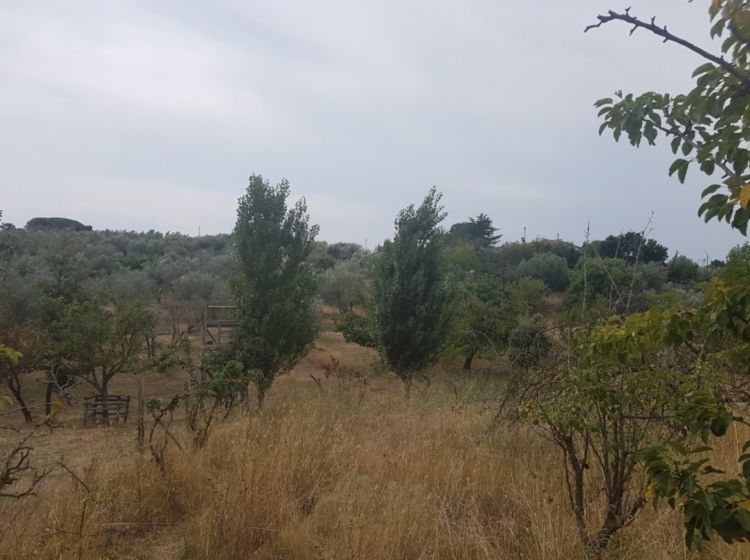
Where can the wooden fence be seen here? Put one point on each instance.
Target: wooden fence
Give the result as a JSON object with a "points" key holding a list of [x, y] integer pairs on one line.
{"points": [[115, 409]]}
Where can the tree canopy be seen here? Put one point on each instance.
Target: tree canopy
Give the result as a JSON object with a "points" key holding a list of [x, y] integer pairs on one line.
{"points": [[633, 247], [477, 230], [56, 223]]}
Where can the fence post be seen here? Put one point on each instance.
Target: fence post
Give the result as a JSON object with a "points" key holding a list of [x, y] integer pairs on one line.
{"points": [[141, 427]]}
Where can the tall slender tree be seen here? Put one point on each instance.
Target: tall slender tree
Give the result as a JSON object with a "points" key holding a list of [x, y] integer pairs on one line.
{"points": [[275, 289], [410, 294]]}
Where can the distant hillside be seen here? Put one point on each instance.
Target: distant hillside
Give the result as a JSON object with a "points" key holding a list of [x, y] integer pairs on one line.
{"points": [[56, 223]]}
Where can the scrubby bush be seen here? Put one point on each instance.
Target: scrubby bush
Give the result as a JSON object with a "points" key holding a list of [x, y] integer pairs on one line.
{"points": [[340, 285], [612, 286], [682, 270], [549, 268], [512, 254], [739, 253], [528, 342]]}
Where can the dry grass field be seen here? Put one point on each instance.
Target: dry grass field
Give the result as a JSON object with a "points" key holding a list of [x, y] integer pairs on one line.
{"points": [[336, 470]]}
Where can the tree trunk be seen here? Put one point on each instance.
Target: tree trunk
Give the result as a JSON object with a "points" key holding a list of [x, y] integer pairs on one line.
{"points": [[151, 346], [261, 395], [263, 385], [14, 384], [175, 329], [407, 387], [469, 359], [104, 394], [48, 398]]}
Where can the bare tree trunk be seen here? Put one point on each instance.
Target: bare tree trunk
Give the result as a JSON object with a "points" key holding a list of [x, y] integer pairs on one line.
{"points": [[469, 359], [104, 394], [261, 396], [48, 397], [151, 346], [14, 384]]}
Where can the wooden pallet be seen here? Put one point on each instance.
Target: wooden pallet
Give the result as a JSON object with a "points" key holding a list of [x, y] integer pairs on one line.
{"points": [[115, 409]]}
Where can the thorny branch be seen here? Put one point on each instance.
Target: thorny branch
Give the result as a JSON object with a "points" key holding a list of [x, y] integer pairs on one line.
{"points": [[667, 36], [16, 464]]}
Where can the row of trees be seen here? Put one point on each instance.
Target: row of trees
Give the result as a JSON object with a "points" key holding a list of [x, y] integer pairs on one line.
{"points": [[52, 280], [88, 305]]}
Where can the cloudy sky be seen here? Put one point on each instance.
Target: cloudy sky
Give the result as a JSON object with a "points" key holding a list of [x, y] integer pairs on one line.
{"points": [[151, 114]]}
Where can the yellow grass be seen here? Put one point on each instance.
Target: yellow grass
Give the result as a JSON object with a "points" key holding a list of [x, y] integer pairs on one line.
{"points": [[342, 471], [323, 474]]}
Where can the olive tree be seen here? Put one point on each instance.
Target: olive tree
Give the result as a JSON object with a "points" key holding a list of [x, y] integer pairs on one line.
{"points": [[275, 289], [344, 283], [96, 343], [411, 298]]}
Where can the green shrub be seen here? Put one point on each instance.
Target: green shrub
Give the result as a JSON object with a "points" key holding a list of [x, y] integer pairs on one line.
{"points": [[549, 268]]}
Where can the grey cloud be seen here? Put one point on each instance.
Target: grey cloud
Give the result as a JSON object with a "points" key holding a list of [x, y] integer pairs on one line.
{"points": [[152, 114]]}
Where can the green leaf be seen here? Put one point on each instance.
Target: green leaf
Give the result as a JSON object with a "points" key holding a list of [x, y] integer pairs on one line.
{"points": [[708, 167], [679, 166], [710, 190], [702, 69], [739, 161], [720, 424], [718, 28]]}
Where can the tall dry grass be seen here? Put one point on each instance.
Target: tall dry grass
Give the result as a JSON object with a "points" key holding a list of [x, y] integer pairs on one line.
{"points": [[326, 474]]}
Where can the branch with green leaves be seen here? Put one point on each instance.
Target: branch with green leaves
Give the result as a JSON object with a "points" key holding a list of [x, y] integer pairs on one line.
{"points": [[707, 125]]}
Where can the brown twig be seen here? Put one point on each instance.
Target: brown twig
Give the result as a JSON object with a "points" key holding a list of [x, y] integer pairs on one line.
{"points": [[667, 36]]}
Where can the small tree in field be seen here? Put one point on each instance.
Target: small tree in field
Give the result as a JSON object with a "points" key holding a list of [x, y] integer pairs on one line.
{"points": [[96, 343], [276, 287], [410, 296]]}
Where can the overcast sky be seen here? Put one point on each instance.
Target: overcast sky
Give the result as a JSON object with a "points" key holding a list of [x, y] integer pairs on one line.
{"points": [[152, 114]]}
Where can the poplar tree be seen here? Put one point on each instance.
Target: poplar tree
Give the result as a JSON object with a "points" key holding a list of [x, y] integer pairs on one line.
{"points": [[410, 320], [275, 289]]}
